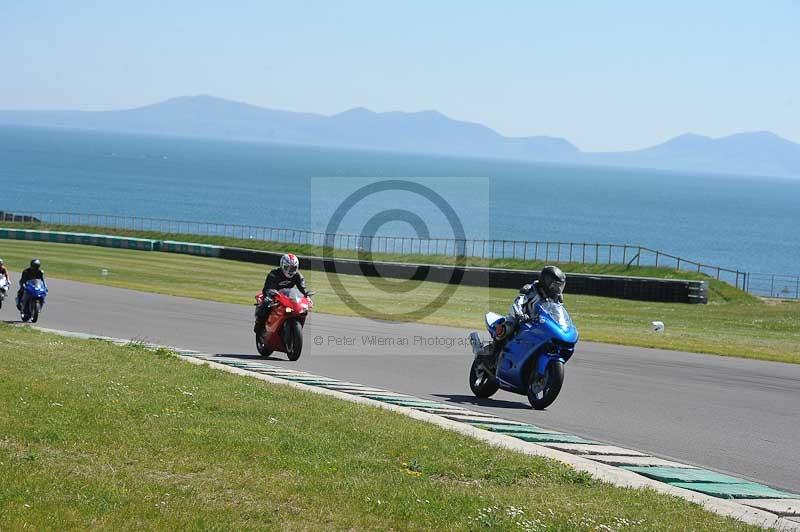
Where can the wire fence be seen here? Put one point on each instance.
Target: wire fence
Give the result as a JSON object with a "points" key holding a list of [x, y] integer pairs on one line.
{"points": [[773, 285], [768, 285]]}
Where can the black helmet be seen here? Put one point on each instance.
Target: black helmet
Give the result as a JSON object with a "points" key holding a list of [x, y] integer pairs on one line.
{"points": [[551, 282], [36, 264]]}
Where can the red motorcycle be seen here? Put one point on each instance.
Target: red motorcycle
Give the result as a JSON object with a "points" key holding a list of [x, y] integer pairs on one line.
{"points": [[284, 329]]}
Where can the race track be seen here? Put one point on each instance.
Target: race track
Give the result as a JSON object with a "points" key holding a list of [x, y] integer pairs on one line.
{"points": [[733, 415]]}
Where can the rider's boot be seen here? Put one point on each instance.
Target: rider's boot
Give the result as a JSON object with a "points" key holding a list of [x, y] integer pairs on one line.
{"points": [[261, 318]]}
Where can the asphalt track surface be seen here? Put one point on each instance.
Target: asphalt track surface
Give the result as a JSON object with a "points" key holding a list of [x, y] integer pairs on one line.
{"points": [[735, 416]]}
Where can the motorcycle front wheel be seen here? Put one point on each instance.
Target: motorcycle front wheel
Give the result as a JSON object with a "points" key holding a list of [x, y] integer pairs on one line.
{"points": [[37, 308], [481, 384], [543, 389], [294, 340], [26, 312]]}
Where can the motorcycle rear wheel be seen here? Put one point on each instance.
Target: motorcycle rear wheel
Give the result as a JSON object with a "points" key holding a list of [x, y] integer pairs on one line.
{"points": [[294, 340], [543, 389], [482, 385]]}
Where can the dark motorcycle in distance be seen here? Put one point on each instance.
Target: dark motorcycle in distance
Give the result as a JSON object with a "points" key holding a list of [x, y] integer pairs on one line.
{"points": [[33, 295]]}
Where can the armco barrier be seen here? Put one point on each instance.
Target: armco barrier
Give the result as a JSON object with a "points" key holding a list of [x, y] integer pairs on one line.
{"points": [[621, 287], [142, 244], [189, 248]]}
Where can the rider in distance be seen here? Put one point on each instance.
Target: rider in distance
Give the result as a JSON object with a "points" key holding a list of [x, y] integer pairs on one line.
{"points": [[287, 275]]}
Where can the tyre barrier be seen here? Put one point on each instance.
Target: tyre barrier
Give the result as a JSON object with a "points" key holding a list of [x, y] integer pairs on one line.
{"points": [[613, 286], [24, 218]]}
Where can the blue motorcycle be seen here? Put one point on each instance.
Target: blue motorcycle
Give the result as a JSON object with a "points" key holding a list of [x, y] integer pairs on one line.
{"points": [[33, 295], [532, 361]]}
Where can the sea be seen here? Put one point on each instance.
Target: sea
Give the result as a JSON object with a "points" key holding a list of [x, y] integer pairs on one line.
{"points": [[746, 223]]}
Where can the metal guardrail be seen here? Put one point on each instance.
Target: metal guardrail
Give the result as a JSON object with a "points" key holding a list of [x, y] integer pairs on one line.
{"points": [[142, 244], [769, 285]]}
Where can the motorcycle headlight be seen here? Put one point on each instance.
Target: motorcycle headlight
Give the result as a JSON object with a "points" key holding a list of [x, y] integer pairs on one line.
{"points": [[288, 310]]}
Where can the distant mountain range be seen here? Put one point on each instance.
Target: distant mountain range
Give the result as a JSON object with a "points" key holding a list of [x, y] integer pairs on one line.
{"points": [[757, 153]]}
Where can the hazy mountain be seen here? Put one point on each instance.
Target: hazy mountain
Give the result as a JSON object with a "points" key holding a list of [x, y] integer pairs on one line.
{"points": [[206, 116], [758, 153]]}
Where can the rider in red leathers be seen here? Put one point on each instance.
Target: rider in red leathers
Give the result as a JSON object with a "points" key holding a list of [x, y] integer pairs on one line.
{"points": [[287, 275]]}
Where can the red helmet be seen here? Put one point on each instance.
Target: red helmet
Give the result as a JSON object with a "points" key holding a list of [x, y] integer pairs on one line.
{"points": [[289, 264]]}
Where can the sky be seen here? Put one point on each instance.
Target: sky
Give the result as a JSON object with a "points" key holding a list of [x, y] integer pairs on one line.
{"points": [[608, 76]]}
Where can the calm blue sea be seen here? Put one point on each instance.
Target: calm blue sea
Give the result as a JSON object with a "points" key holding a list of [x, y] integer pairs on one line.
{"points": [[740, 222]]}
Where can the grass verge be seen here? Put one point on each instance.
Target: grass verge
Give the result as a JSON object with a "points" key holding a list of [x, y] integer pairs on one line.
{"points": [[98, 436], [732, 324]]}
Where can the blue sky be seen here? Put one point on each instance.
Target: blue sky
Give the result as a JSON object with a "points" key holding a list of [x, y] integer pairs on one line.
{"points": [[606, 75]]}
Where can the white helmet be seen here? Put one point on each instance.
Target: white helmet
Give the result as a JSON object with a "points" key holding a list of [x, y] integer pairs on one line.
{"points": [[289, 264]]}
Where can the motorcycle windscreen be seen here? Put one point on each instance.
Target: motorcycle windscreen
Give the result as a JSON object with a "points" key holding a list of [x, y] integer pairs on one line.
{"points": [[292, 293], [556, 314], [35, 286]]}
